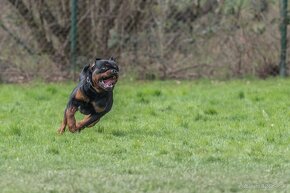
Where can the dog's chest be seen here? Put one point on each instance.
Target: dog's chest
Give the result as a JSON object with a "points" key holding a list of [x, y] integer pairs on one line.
{"points": [[100, 105]]}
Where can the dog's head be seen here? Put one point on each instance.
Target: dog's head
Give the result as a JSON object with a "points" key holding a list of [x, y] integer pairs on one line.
{"points": [[105, 74]]}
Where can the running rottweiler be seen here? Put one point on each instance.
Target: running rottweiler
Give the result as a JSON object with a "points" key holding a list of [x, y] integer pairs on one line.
{"points": [[93, 96]]}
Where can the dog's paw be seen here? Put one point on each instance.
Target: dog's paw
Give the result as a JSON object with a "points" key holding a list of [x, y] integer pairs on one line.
{"points": [[60, 131]]}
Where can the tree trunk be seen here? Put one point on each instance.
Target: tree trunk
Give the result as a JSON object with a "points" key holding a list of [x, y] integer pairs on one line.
{"points": [[45, 45]]}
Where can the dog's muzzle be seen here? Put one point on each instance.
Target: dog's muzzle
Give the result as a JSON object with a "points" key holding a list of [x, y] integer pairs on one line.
{"points": [[108, 82]]}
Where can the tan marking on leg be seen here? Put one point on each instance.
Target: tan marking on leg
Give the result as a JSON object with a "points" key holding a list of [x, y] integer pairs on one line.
{"points": [[86, 119], [93, 124], [81, 123], [71, 121], [61, 130]]}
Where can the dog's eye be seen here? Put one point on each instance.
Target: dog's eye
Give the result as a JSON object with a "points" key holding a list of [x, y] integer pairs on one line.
{"points": [[104, 68]]}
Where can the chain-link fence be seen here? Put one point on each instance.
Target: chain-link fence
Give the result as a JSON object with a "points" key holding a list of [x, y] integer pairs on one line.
{"points": [[152, 39]]}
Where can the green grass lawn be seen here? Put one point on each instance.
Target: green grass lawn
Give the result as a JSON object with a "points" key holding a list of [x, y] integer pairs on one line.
{"points": [[170, 136]]}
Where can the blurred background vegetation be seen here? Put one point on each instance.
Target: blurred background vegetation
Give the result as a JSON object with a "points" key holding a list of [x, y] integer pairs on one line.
{"points": [[151, 39]]}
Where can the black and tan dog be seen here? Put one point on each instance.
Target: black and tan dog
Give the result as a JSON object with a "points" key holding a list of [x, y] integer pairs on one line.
{"points": [[93, 96]]}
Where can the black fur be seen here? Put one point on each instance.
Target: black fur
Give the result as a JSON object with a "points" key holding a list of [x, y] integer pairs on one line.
{"points": [[89, 98]]}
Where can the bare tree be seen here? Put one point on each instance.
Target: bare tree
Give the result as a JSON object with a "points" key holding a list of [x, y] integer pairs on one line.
{"points": [[38, 27]]}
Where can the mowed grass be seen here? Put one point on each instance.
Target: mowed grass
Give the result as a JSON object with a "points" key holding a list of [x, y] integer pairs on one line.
{"points": [[163, 136]]}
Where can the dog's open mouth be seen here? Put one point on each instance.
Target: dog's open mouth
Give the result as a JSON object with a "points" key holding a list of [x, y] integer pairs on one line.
{"points": [[108, 83]]}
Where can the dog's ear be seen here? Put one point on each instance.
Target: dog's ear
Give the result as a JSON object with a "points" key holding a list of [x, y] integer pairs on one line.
{"points": [[84, 72], [93, 65], [112, 58]]}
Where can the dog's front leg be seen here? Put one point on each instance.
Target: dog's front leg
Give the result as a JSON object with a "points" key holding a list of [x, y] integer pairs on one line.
{"points": [[88, 121], [71, 121]]}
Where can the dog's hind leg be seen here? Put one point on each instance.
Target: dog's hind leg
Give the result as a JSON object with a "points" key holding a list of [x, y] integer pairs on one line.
{"points": [[61, 130]]}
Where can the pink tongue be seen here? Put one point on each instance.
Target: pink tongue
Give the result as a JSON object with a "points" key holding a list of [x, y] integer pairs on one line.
{"points": [[108, 81]]}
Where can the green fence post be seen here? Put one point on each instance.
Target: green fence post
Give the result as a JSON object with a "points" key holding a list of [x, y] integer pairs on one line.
{"points": [[283, 31], [73, 36]]}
